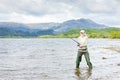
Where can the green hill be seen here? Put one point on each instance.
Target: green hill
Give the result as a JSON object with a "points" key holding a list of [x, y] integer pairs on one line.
{"points": [[110, 32]]}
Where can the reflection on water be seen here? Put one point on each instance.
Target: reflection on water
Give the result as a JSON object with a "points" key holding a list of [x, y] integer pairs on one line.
{"points": [[83, 75]]}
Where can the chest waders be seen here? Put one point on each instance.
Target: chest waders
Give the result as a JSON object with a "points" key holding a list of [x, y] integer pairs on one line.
{"points": [[83, 51]]}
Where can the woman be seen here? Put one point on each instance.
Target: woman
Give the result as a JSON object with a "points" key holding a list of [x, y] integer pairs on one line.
{"points": [[82, 39]]}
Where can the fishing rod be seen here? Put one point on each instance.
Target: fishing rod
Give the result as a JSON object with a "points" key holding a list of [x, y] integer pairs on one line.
{"points": [[76, 41]]}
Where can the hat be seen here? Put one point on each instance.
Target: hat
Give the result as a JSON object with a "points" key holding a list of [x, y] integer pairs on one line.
{"points": [[83, 31]]}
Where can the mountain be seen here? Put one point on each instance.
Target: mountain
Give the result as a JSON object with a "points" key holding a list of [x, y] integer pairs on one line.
{"points": [[14, 26], [42, 25], [19, 29], [37, 29], [79, 23]]}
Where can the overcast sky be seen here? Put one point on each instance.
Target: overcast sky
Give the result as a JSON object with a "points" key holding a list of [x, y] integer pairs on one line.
{"points": [[39, 11]]}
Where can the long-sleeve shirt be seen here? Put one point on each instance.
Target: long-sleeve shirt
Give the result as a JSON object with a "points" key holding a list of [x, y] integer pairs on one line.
{"points": [[83, 40]]}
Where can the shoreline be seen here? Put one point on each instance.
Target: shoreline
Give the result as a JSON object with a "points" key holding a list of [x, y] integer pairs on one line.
{"points": [[50, 38], [115, 48]]}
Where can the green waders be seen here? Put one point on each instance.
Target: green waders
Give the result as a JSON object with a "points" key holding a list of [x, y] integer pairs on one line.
{"points": [[79, 57]]}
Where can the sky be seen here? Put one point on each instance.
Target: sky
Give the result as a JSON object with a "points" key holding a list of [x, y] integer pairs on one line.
{"points": [[43, 11]]}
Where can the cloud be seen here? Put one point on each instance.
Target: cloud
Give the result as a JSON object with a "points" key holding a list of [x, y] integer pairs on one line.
{"points": [[103, 11]]}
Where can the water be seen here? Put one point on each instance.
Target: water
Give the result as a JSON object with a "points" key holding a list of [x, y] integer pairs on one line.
{"points": [[54, 59]]}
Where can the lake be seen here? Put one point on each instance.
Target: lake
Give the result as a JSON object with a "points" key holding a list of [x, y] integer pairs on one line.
{"points": [[55, 59]]}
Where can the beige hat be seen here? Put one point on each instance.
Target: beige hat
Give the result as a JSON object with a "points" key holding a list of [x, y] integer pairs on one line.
{"points": [[82, 31]]}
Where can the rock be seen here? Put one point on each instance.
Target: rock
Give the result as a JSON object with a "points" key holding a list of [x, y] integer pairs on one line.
{"points": [[118, 64], [104, 58]]}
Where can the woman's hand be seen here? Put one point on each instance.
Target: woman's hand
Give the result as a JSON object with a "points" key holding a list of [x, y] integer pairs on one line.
{"points": [[78, 45]]}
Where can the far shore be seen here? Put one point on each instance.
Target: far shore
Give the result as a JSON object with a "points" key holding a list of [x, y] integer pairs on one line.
{"points": [[49, 38]]}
